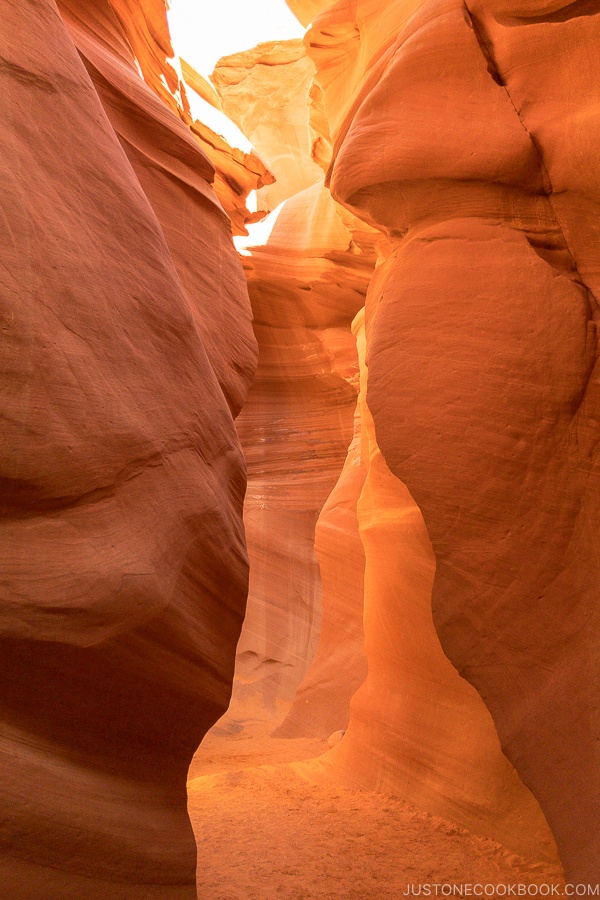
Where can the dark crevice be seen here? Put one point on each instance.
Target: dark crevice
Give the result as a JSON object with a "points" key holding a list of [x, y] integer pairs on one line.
{"points": [[491, 65], [485, 45], [575, 10], [27, 76]]}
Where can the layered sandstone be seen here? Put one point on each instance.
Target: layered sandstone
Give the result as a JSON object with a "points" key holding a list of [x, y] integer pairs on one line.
{"points": [[128, 345], [473, 154], [322, 702], [457, 534], [305, 284]]}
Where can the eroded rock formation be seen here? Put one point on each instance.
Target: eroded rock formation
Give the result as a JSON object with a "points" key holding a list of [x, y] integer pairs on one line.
{"points": [[305, 285], [127, 346], [455, 537], [417, 729], [264, 91], [473, 154], [322, 703]]}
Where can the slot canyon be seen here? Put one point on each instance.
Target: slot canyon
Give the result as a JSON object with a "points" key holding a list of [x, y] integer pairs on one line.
{"points": [[300, 481]]}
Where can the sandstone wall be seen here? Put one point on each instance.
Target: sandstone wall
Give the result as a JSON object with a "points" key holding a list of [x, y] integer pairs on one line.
{"points": [[264, 91], [458, 538], [322, 703], [126, 347], [417, 729], [306, 284], [467, 133]]}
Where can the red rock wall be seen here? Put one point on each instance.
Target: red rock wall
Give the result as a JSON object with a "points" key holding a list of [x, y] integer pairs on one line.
{"points": [[467, 132], [123, 557]]}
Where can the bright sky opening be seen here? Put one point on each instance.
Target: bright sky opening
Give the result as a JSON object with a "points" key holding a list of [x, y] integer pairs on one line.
{"points": [[203, 32], [258, 234]]}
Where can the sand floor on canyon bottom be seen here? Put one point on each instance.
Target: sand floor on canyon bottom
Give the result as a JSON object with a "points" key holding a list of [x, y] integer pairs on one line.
{"points": [[265, 832]]}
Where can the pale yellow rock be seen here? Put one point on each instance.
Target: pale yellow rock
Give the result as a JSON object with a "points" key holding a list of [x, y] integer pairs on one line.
{"points": [[264, 91]]}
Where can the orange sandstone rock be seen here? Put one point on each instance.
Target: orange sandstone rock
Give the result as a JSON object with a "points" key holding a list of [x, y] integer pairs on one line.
{"points": [[173, 172], [305, 285], [418, 730], [467, 132], [306, 10], [200, 85], [124, 572], [108, 36], [322, 702]]}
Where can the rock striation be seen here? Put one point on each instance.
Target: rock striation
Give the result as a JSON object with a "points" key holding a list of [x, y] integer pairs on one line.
{"points": [[127, 348], [422, 515], [322, 702], [306, 284], [472, 153]]}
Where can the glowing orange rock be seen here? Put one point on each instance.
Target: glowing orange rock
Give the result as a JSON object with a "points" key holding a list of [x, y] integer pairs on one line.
{"points": [[466, 131], [322, 702], [417, 729], [306, 10], [305, 285]]}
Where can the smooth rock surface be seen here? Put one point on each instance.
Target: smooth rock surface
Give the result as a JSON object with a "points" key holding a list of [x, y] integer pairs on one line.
{"points": [[417, 730], [124, 571], [467, 132]]}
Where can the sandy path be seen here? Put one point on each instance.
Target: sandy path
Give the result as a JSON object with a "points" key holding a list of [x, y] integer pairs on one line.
{"points": [[265, 832]]}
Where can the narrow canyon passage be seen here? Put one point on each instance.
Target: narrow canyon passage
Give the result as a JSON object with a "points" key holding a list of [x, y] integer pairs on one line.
{"points": [[342, 643], [299, 449], [417, 790]]}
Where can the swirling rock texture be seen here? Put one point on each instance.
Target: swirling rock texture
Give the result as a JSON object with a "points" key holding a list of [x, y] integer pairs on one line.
{"points": [[467, 132], [305, 284], [322, 702], [127, 346]]}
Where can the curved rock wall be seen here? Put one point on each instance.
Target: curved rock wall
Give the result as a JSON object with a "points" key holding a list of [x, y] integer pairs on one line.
{"points": [[127, 344], [472, 152], [306, 284], [417, 729], [466, 510]]}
